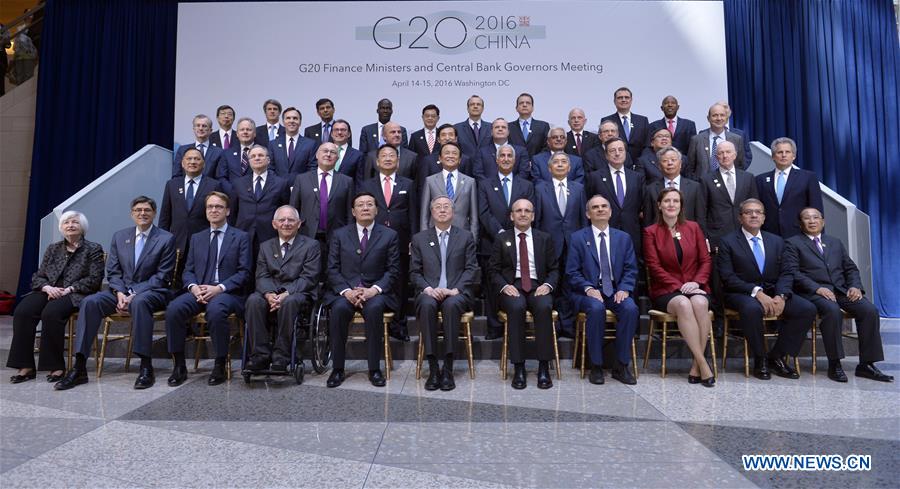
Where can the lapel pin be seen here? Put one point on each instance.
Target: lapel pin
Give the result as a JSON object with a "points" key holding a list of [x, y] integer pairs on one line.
{"points": [[358, 251], [768, 179], [279, 145], [127, 241], [234, 154], [508, 243], [718, 184], [587, 243], [496, 189], [276, 256], [604, 179], [715, 180], [180, 190], [315, 189], [431, 243]]}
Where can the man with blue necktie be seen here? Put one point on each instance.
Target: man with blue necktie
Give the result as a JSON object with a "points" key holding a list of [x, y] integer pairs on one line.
{"points": [[272, 128], [525, 130], [787, 190], [213, 156], [633, 128]]}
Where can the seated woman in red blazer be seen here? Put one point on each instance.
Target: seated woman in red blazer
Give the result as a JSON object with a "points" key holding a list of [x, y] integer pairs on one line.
{"points": [[678, 262]]}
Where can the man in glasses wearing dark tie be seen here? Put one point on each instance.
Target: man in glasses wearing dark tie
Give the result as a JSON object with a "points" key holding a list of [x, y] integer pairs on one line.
{"points": [[255, 197]]}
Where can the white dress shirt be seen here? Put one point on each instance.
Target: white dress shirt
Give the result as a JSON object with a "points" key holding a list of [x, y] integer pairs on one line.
{"points": [[749, 237], [608, 240], [612, 173]]}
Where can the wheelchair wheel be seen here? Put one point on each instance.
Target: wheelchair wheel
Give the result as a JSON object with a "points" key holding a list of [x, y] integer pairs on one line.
{"points": [[321, 344], [298, 374]]}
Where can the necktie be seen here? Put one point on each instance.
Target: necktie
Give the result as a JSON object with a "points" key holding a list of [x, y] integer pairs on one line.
{"points": [[226, 142], [620, 189], [323, 203], [627, 127], [758, 254], [524, 266], [450, 192], [525, 132], [671, 183], [212, 261], [779, 186], [442, 282], [271, 132], [189, 195], [380, 135], [561, 198], [506, 190], [475, 132], [257, 192], [606, 285], [245, 161], [713, 159], [284, 249], [291, 149], [578, 143], [819, 245], [138, 248], [202, 148], [340, 158], [326, 132], [430, 141], [387, 190], [671, 126], [365, 240], [729, 184]]}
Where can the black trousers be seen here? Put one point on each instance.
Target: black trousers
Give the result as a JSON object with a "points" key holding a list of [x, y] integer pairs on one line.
{"points": [[53, 315], [868, 326], [451, 308], [541, 308], [339, 325], [257, 317], [797, 317], [490, 296]]}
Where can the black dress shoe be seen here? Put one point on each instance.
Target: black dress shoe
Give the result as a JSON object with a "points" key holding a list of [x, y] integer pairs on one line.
{"points": [[18, 379], [565, 333], [146, 378], [377, 378], [782, 369], [491, 335], [72, 378], [447, 382], [179, 375], [836, 372], [279, 366], [400, 336], [596, 376], [623, 374], [434, 380], [55, 378], [218, 375], [543, 378], [870, 371], [336, 378], [761, 369], [694, 379], [519, 380], [256, 364], [708, 382]]}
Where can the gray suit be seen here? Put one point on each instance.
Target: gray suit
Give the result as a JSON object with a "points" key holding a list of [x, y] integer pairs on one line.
{"points": [[297, 273], [425, 271], [698, 154], [465, 201], [722, 214]]}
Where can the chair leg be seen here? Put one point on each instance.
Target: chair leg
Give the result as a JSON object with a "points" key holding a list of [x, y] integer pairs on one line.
{"points": [[649, 342], [130, 345], [797, 365], [575, 345], [814, 357], [503, 351], [388, 363], [70, 341], [102, 350], [724, 344], [712, 352], [420, 354], [746, 358], [556, 353], [468, 326], [634, 357], [665, 339], [583, 346]]}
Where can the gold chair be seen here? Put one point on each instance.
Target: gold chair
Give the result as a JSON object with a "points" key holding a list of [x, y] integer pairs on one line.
{"points": [[529, 335], [202, 336], [465, 334], [663, 320], [732, 315], [814, 331], [361, 335], [609, 333]]}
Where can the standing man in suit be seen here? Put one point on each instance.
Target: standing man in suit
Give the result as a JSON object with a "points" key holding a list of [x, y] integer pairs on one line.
{"points": [[724, 190], [292, 154], [540, 163], [459, 187], [215, 276], [527, 131], [485, 163], [350, 160], [623, 189], [212, 156], [561, 203], [748, 154], [702, 152], [496, 193], [525, 270], [321, 132], [398, 209], [255, 197], [287, 275], [757, 282], [694, 199], [825, 275], [602, 271], [372, 136], [681, 129], [236, 160], [443, 270], [473, 133], [182, 212], [424, 141], [633, 128], [431, 164], [649, 161], [225, 137], [579, 140], [595, 158], [786, 190], [407, 165], [139, 269], [272, 128], [363, 264]]}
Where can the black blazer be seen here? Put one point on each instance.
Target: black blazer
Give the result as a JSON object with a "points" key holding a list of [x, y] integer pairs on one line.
{"points": [[685, 129], [485, 164], [493, 210], [505, 257], [176, 218], [627, 216], [419, 144], [348, 265], [537, 139], [588, 141], [403, 214], [694, 203], [255, 215], [739, 273], [723, 215], [216, 140], [833, 270], [83, 271], [262, 134], [801, 191], [639, 135]]}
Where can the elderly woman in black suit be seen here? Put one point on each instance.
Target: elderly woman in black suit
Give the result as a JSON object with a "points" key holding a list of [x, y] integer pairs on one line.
{"points": [[71, 269]]}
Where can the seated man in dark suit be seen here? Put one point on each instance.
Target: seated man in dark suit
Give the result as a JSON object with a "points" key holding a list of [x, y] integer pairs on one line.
{"points": [[633, 128], [431, 164], [681, 129], [424, 141], [236, 159], [825, 275], [225, 137], [363, 264], [526, 131], [267, 132], [139, 269], [287, 276], [578, 140], [602, 273], [320, 132], [215, 277], [525, 270], [182, 212], [694, 205], [349, 160], [486, 160], [540, 163], [649, 163], [623, 189], [757, 284], [213, 156], [255, 197], [371, 137], [292, 153], [443, 270], [786, 190]]}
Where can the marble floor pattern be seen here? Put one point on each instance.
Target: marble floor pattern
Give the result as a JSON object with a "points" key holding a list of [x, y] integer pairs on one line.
{"points": [[661, 433]]}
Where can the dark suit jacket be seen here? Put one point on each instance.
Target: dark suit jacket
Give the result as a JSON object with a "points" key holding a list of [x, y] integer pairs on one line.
{"points": [[737, 268], [640, 132], [505, 258], [666, 274], [314, 133], [537, 135], [596, 158], [234, 260], [748, 154], [493, 209], [627, 216], [408, 165], [296, 273], [485, 163], [588, 141], [351, 163], [694, 203], [723, 215], [154, 268], [349, 265], [649, 165], [255, 216], [583, 262], [403, 214], [304, 156], [540, 171], [466, 139], [368, 138], [176, 218], [418, 143], [214, 158], [685, 129], [801, 190], [262, 134], [550, 220], [425, 263], [216, 139], [834, 270], [230, 169], [83, 271], [698, 154], [305, 198]]}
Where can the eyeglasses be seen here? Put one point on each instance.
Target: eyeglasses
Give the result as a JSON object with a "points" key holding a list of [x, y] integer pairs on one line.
{"points": [[216, 207], [754, 212]]}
